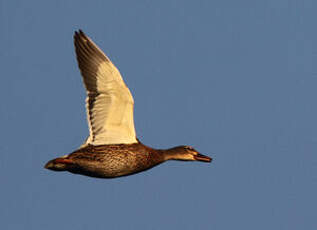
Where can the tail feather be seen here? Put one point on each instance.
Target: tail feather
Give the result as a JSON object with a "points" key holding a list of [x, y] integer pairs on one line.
{"points": [[59, 164]]}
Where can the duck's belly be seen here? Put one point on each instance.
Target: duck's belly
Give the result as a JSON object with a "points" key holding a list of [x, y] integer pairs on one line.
{"points": [[111, 165]]}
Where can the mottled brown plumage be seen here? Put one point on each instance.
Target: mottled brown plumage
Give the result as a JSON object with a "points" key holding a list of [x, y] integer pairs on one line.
{"points": [[108, 161], [112, 149]]}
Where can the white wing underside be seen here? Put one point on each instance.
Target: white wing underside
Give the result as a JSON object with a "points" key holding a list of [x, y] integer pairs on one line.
{"points": [[109, 102]]}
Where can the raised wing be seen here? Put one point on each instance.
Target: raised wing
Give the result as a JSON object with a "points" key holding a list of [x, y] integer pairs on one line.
{"points": [[109, 102]]}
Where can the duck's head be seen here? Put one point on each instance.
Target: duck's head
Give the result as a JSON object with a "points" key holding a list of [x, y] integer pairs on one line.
{"points": [[185, 153]]}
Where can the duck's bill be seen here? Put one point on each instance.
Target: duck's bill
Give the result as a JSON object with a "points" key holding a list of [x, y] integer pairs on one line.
{"points": [[201, 157]]}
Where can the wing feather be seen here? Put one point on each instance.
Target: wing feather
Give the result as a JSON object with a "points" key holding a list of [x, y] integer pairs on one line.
{"points": [[109, 102]]}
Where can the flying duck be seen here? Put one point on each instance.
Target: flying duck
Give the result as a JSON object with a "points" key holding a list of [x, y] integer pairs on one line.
{"points": [[112, 148]]}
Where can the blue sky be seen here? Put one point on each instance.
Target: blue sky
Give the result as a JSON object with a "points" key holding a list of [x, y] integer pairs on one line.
{"points": [[235, 79]]}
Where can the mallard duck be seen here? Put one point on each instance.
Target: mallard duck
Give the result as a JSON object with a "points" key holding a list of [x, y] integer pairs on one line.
{"points": [[112, 148]]}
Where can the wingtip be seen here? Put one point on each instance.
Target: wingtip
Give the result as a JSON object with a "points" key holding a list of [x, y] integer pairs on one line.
{"points": [[82, 34], [79, 35], [79, 32]]}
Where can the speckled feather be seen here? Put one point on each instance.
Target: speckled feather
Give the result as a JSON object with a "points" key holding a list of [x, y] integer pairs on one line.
{"points": [[109, 161]]}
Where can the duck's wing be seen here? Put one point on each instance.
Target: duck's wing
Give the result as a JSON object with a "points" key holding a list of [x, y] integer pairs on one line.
{"points": [[109, 102]]}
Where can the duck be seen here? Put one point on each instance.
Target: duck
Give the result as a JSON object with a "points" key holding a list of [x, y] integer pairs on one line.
{"points": [[112, 148]]}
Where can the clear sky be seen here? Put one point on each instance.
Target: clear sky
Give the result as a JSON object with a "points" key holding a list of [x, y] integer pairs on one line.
{"points": [[237, 80]]}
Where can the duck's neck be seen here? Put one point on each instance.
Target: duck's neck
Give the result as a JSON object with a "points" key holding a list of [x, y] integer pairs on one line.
{"points": [[176, 153]]}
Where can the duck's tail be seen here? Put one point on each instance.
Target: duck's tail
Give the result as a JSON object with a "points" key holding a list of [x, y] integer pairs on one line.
{"points": [[59, 164]]}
